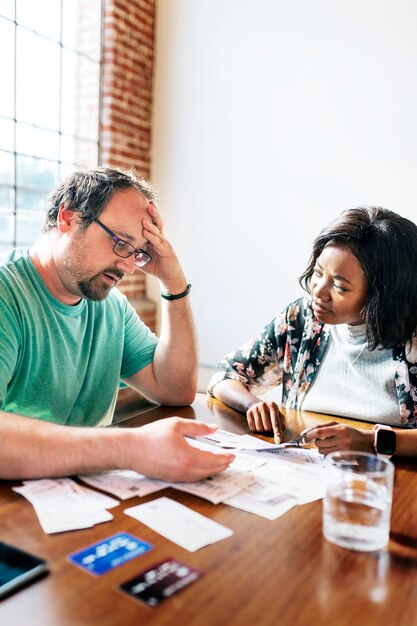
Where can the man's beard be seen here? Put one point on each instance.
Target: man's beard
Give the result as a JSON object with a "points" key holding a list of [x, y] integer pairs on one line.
{"points": [[95, 288], [89, 287], [91, 290]]}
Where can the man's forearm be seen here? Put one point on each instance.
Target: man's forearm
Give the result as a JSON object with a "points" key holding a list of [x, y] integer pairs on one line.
{"points": [[32, 448], [35, 449], [175, 362]]}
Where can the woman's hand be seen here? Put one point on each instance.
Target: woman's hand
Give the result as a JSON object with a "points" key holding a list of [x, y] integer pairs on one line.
{"points": [[260, 415], [266, 416], [332, 436]]}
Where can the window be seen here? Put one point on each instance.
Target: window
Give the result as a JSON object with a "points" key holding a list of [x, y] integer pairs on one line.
{"points": [[49, 105]]}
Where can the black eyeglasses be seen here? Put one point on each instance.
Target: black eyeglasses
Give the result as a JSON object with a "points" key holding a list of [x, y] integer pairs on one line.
{"points": [[124, 249]]}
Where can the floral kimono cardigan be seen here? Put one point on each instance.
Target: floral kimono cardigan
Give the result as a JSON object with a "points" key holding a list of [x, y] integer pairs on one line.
{"points": [[289, 350]]}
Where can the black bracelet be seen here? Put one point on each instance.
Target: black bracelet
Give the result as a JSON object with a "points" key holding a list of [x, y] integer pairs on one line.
{"points": [[177, 296]]}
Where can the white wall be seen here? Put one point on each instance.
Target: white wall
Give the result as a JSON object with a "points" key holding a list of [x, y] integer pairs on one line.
{"points": [[270, 118]]}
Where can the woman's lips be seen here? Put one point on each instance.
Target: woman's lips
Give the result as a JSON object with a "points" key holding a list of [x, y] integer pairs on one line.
{"points": [[318, 308]]}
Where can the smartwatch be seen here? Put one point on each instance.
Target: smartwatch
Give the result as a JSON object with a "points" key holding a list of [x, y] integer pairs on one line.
{"points": [[384, 440]]}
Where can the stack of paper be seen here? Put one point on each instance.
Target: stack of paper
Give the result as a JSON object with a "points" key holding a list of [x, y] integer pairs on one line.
{"points": [[281, 477], [61, 504], [263, 479]]}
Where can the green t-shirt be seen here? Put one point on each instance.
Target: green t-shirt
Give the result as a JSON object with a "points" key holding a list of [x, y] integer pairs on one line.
{"points": [[63, 363]]}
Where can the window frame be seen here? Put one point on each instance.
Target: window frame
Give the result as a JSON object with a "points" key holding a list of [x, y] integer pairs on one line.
{"points": [[12, 186]]}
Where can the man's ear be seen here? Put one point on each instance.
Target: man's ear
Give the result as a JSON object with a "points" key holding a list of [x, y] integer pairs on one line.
{"points": [[66, 219]]}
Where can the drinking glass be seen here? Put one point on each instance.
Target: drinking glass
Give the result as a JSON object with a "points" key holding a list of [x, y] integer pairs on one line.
{"points": [[357, 504]]}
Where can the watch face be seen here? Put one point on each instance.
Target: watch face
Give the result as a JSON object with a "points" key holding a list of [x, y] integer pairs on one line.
{"points": [[385, 441]]}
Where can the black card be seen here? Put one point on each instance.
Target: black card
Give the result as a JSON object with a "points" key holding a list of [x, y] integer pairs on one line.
{"points": [[160, 582]]}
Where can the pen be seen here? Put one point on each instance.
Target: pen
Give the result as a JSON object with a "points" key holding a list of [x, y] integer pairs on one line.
{"points": [[306, 431]]}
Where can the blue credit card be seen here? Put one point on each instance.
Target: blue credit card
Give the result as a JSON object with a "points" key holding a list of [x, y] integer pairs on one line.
{"points": [[105, 555]]}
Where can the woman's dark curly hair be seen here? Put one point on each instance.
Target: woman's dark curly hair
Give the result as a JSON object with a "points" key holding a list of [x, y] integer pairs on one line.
{"points": [[385, 244]]}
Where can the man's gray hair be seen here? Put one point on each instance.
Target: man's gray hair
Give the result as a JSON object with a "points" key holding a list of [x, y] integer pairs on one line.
{"points": [[88, 191]]}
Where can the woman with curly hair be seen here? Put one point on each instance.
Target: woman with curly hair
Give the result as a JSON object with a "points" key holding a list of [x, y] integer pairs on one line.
{"points": [[348, 348]]}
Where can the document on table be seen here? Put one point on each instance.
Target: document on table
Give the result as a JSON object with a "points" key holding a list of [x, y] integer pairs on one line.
{"points": [[304, 482], [124, 484], [256, 448], [267, 481], [61, 504], [297, 455], [281, 478], [224, 439], [270, 510], [278, 487], [217, 488], [179, 524], [243, 461]]}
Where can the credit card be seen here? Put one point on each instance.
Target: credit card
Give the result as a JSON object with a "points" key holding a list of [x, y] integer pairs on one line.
{"points": [[105, 555], [160, 582]]}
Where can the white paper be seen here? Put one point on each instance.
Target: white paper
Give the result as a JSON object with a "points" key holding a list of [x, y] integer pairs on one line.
{"points": [[61, 504], [210, 489], [304, 482], [270, 510], [224, 439], [264, 490], [179, 524], [278, 478], [246, 462], [51, 523], [297, 455], [231, 441], [124, 483], [242, 462], [231, 476]]}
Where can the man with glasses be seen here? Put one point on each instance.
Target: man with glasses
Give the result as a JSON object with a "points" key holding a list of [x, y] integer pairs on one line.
{"points": [[67, 338]]}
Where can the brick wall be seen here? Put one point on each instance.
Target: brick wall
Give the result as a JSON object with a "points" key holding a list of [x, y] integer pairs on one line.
{"points": [[127, 82]]}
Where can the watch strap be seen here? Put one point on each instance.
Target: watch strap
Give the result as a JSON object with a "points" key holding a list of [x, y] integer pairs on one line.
{"points": [[176, 296], [377, 428]]}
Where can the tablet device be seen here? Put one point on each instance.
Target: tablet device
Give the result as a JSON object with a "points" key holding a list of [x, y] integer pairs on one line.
{"points": [[17, 568]]}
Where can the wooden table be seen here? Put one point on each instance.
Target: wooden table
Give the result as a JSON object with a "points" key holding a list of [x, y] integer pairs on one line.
{"points": [[280, 572]]}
